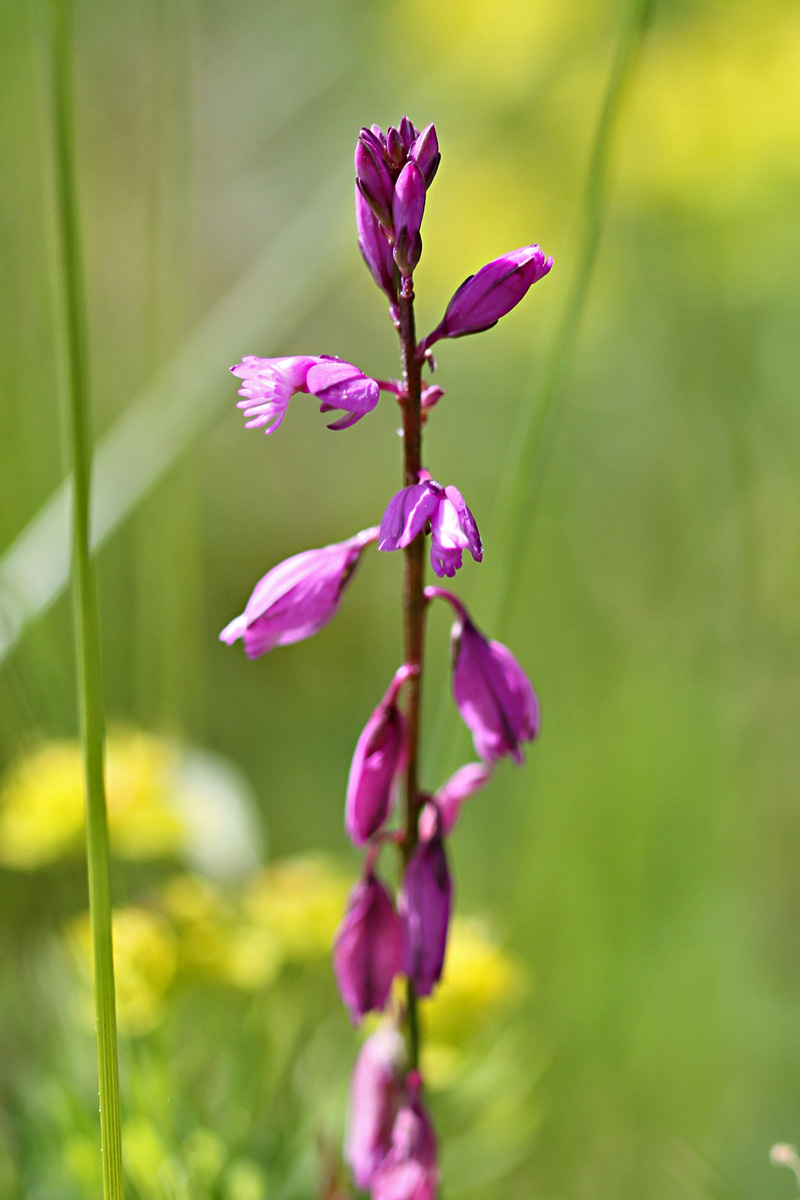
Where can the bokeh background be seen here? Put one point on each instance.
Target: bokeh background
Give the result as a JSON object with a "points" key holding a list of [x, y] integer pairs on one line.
{"points": [[623, 1011]]}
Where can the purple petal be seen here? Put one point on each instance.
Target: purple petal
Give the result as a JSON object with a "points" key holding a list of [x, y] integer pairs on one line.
{"points": [[338, 384], [453, 530], [406, 515], [450, 797]]}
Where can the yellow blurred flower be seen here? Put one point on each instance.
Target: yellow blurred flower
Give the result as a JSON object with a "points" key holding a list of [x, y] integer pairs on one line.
{"points": [[480, 979], [140, 775], [214, 937], [145, 961], [41, 801], [301, 901], [41, 806]]}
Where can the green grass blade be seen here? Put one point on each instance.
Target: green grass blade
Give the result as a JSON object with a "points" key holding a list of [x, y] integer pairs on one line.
{"points": [[56, 29]]}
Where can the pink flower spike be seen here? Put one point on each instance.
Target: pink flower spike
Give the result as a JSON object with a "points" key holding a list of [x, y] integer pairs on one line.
{"points": [[378, 761], [492, 292], [493, 694], [376, 1089], [450, 797], [453, 527], [425, 909], [368, 948], [409, 1170], [295, 599]]}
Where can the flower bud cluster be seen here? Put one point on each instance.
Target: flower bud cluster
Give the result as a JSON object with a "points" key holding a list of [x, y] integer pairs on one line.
{"points": [[386, 932], [393, 173]]}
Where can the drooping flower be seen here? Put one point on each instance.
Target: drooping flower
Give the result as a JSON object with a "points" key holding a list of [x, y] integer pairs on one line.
{"points": [[445, 805], [494, 695], [295, 599], [368, 948], [378, 760], [453, 527], [270, 383], [490, 293], [376, 1088], [425, 909], [409, 1170]]}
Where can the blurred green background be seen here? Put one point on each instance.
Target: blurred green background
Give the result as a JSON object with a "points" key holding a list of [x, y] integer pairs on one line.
{"points": [[643, 865]]}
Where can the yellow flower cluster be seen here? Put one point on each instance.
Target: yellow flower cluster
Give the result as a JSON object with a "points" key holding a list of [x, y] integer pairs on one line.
{"points": [[287, 912], [41, 801]]}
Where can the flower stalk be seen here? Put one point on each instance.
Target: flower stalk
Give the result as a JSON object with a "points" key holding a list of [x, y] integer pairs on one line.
{"points": [[413, 608], [57, 53]]}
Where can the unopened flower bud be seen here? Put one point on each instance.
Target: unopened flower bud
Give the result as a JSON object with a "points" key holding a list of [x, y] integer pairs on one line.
{"points": [[407, 210], [368, 948], [492, 292], [378, 760], [425, 907], [395, 150], [373, 178], [376, 1088], [408, 133], [375, 248], [425, 153]]}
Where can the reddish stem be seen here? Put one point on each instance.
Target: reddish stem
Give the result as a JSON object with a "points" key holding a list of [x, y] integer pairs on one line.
{"points": [[413, 601]]}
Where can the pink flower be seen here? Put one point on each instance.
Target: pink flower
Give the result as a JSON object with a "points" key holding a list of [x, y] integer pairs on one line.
{"points": [[379, 758], [295, 599], [376, 1088], [409, 1171], [368, 948], [270, 383], [493, 693], [453, 527]]}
